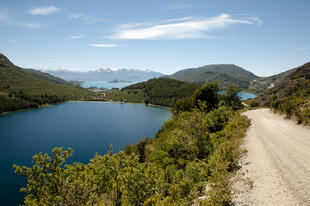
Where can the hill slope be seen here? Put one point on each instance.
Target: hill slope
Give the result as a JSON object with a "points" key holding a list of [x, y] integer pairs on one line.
{"points": [[261, 84], [291, 95], [22, 88], [161, 91], [224, 74]]}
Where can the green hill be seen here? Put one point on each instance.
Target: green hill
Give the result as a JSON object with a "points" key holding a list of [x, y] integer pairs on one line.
{"points": [[291, 95], [161, 91], [224, 74], [263, 83], [27, 88]]}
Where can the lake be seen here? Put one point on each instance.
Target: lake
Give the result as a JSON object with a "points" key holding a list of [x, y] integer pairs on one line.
{"points": [[86, 127], [105, 84], [246, 95]]}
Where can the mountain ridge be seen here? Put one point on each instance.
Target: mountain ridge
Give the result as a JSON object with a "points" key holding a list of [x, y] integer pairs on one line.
{"points": [[224, 74], [106, 74]]}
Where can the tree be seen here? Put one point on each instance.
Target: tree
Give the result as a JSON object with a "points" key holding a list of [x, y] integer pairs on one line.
{"points": [[183, 105], [231, 97], [207, 94]]}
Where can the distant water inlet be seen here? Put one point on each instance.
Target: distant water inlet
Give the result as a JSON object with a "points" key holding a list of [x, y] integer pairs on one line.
{"points": [[243, 95], [86, 127], [246, 95], [106, 85]]}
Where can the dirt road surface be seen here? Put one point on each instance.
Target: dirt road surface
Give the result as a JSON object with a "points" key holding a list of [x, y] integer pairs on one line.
{"points": [[277, 166]]}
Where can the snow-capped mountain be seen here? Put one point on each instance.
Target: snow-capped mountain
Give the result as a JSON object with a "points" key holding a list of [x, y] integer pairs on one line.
{"points": [[107, 74]]}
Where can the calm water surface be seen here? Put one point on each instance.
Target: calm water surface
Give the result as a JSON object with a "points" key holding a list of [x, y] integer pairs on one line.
{"points": [[87, 127], [246, 95], [107, 85]]}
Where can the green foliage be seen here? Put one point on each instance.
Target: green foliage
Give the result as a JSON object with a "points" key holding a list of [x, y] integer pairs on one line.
{"points": [[183, 105], [231, 97], [207, 94], [217, 119]]}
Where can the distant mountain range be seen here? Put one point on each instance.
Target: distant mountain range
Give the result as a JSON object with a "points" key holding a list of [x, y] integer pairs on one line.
{"points": [[133, 75]]}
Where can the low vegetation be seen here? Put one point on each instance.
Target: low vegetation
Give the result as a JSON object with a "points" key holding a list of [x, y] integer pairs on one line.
{"points": [[25, 88], [194, 154], [290, 97]]}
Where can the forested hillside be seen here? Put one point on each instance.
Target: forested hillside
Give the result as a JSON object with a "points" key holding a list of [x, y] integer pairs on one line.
{"points": [[21, 88], [224, 74], [161, 91], [290, 96]]}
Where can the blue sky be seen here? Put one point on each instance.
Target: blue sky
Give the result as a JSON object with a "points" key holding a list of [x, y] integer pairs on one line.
{"points": [[265, 37]]}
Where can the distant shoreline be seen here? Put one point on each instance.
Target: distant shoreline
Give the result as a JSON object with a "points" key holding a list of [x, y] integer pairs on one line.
{"points": [[152, 105], [47, 105]]}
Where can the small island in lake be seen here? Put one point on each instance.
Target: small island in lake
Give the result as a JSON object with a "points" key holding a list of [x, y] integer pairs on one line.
{"points": [[119, 81]]}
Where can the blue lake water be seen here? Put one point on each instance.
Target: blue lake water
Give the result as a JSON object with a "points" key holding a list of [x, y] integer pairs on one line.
{"points": [[86, 127], [107, 85], [242, 95], [246, 95]]}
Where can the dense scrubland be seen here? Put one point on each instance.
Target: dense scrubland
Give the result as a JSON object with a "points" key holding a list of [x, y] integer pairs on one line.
{"points": [[290, 96], [27, 88], [193, 155]]}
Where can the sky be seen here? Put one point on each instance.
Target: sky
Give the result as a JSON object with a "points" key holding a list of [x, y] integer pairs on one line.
{"points": [[262, 36]]}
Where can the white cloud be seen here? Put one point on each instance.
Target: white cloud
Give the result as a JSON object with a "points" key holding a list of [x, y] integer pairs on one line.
{"points": [[77, 36], [302, 48], [44, 10], [181, 28], [257, 20], [29, 25], [103, 45], [75, 16], [86, 19]]}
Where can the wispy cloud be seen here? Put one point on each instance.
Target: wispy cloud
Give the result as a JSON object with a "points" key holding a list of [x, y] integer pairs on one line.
{"points": [[75, 16], [44, 10], [256, 19], [303, 48], [77, 36], [181, 28], [86, 19], [103, 45], [5, 19], [29, 25]]}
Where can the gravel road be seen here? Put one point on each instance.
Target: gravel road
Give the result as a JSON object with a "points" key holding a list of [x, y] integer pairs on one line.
{"points": [[277, 166]]}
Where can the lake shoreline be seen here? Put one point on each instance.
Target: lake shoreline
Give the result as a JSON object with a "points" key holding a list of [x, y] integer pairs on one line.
{"points": [[152, 105], [48, 105]]}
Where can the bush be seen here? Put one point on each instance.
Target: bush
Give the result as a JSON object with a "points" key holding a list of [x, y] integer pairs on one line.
{"points": [[207, 94]]}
